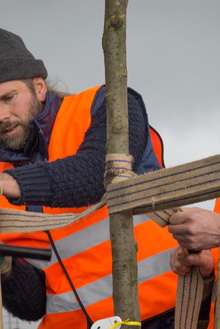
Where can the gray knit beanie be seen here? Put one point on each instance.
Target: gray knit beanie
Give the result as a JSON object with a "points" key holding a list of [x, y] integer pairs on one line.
{"points": [[16, 62]]}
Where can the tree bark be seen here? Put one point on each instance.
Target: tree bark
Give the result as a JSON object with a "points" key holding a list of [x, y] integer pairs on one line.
{"points": [[124, 248]]}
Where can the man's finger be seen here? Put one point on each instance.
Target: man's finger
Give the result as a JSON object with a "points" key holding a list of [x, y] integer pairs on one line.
{"points": [[177, 218]]}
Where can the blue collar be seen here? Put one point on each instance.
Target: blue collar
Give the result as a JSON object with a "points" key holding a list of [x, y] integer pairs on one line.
{"points": [[45, 120]]}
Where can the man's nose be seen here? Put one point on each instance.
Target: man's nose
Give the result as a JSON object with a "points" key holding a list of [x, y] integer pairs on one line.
{"points": [[4, 114]]}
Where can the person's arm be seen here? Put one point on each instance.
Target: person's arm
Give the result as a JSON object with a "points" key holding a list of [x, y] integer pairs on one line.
{"points": [[195, 228], [24, 291], [78, 180]]}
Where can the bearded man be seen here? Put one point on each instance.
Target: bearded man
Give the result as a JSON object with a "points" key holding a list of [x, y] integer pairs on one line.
{"points": [[52, 160]]}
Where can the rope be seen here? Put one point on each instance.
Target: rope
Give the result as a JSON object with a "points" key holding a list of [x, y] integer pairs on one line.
{"points": [[118, 168], [188, 299], [181, 188], [167, 188], [157, 189], [18, 221], [149, 193]]}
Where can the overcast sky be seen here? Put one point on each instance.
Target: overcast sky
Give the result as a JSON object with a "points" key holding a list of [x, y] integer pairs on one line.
{"points": [[173, 53]]}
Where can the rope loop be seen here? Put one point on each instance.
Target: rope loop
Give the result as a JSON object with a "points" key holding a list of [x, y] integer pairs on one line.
{"points": [[118, 168]]}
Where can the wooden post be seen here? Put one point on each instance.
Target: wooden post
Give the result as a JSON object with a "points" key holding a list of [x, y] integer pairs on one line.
{"points": [[124, 248]]}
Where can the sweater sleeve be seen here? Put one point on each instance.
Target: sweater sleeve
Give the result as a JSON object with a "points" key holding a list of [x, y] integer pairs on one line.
{"points": [[78, 180], [25, 284]]}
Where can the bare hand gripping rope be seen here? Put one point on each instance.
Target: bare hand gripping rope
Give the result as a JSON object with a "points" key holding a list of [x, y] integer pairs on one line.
{"points": [[150, 193]]}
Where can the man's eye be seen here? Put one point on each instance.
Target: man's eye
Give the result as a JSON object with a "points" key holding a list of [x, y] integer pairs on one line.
{"points": [[8, 98]]}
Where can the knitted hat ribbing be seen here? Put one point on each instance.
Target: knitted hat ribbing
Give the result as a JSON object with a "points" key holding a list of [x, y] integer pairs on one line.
{"points": [[16, 62]]}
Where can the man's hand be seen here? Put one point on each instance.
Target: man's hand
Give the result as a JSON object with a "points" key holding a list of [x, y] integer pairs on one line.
{"points": [[11, 189], [181, 263], [195, 228]]}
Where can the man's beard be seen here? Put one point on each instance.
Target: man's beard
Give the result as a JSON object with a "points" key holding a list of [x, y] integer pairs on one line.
{"points": [[18, 141]]}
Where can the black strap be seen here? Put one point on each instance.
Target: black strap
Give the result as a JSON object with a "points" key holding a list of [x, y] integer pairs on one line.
{"points": [[89, 321]]}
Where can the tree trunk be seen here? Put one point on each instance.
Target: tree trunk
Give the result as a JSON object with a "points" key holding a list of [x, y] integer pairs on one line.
{"points": [[124, 248]]}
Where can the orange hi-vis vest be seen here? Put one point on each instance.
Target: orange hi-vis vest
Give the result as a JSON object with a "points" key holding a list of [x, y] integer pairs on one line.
{"points": [[215, 254], [84, 246]]}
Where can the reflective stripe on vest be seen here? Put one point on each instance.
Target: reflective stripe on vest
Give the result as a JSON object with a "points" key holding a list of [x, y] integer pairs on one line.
{"points": [[147, 269], [90, 270], [85, 247]]}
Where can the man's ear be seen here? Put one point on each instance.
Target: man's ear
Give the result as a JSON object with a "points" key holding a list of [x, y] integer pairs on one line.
{"points": [[40, 89]]}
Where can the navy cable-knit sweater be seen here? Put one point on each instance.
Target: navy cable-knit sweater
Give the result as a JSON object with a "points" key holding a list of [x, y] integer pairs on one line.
{"points": [[74, 181]]}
